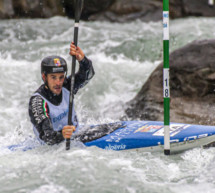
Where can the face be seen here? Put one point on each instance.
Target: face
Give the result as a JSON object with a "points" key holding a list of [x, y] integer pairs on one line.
{"points": [[55, 82]]}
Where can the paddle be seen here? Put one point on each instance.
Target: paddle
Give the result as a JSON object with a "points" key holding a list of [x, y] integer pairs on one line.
{"points": [[78, 9]]}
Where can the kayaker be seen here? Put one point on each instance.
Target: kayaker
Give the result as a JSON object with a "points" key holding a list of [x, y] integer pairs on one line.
{"points": [[49, 105]]}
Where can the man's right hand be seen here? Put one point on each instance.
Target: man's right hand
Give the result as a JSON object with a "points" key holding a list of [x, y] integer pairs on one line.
{"points": [[68, 131]]}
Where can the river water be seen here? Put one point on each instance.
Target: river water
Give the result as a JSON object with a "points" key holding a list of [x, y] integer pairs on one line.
{"points": [[124, 55]]}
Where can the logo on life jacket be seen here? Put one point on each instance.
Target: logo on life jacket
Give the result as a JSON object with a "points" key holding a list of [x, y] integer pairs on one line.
{"points": [[57, 62], [60, 117]]}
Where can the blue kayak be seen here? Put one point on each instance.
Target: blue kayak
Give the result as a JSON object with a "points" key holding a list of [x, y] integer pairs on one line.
{"points": [[149, 136], [139, 135]]}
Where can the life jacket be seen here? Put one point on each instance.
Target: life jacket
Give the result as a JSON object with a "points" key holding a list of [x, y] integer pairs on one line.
{"points": [[58, 114]]}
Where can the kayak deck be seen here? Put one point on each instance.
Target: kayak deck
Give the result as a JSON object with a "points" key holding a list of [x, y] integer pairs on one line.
{"points": [[137, 135]]}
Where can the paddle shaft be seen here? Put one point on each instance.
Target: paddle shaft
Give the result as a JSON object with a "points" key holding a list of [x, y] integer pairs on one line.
{"points": [[71, 97], [78, 8]]}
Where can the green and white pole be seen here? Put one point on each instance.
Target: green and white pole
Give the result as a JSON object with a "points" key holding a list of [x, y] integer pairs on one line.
{"points": [[166, 89]]}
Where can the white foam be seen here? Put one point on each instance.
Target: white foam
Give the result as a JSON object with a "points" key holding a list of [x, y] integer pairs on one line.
{"points": [[124, 55]]}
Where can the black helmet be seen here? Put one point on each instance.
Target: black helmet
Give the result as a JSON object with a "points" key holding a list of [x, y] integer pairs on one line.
{"points": [[53, 64]]}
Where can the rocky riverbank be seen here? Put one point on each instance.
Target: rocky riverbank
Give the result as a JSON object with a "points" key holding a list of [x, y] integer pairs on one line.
{"points": [[112, 10], [192, 87]]}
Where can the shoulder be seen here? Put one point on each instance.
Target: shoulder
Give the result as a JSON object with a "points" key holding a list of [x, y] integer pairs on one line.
{"points": [[42, 93], [37, 95], [41, 90]]}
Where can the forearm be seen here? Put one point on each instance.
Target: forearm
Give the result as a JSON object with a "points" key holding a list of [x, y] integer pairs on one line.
{"points": [[83, 76], [86, 71], [50, 136]]}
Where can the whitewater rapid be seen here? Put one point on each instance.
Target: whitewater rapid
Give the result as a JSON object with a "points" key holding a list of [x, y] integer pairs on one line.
{"points": [[123, 55]]}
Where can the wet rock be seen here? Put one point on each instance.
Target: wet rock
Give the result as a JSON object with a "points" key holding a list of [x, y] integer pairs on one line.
{"points": [[90, 7], [111, 10], [198, 8], [128, 10], [184, 8], [37, 8], [147, 10], [30, 9], [6, 9], [192, 87]]}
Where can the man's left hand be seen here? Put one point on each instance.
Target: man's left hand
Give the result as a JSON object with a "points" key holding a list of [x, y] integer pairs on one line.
{"points": [[76, 51]]}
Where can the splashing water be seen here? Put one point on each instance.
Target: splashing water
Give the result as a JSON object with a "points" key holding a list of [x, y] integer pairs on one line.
{"points": [[124, 55]]}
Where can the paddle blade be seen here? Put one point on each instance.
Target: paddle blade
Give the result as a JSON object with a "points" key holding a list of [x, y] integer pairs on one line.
{"points": [[78, 8]]}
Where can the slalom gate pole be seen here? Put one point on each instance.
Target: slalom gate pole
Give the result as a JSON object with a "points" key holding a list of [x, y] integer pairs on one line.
{"points": [[166, 89]]}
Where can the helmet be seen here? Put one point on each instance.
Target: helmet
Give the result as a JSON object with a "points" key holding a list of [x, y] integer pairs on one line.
{"points": [[53, 64]]}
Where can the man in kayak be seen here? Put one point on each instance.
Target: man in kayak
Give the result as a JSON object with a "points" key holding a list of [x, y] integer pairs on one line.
{"points": [[49, 105]]}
